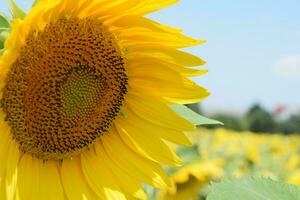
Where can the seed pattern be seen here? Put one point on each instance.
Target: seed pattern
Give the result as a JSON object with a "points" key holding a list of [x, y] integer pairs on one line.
{"points": [[65, 88]]}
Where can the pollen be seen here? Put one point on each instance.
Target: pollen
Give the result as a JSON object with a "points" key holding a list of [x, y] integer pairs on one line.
{"points": [[65, 88]]}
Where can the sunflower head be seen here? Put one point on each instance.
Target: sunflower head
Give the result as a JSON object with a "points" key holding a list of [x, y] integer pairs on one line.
{"points": [[71, 81], [86, 91]]}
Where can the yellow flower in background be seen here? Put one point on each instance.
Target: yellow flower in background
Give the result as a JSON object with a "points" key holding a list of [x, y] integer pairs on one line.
{"points": [[85, 92], [293, 162], [245, 153], [253, 153], [295, 178], [191, 179], [240, 154]]}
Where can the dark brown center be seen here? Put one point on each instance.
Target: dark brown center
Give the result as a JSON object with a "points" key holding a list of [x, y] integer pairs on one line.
{"points": [[65, 88]]}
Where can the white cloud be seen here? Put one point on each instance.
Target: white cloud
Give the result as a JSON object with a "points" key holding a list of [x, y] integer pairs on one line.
{"points": [[288, 66]]}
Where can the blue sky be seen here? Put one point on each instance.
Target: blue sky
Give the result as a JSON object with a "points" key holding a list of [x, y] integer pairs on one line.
{"points": [[252, 49]]}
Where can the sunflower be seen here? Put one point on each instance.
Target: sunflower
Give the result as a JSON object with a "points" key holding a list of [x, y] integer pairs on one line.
{"points": [[86, 90], [189, 181]]}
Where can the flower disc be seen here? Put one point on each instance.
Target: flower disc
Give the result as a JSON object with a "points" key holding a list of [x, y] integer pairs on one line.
{"points": [[65, 88]]}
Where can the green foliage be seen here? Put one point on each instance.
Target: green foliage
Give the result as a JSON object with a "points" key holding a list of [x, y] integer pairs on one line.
{"points": [[15, 10], [3, 35], [253, 188], [4, 30], [4, 21], [260, 120], [291, 125], [230, 122], [192, 116]]}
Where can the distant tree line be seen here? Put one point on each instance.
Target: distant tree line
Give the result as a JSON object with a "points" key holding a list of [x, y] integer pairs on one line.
{"points": [[258, 119]]}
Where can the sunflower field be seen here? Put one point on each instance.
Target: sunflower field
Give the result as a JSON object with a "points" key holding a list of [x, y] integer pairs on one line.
{"points": [[95, 104], [222, 154]]}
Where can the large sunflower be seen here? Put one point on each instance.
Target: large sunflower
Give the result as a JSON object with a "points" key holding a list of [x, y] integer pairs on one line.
{"points": [[86, 89]]}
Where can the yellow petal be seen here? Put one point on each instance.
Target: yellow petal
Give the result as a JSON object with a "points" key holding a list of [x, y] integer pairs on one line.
{"points": [[135, 37], [99, 177], [71, 8], [125, 180], [157, 112], [158, 64], [177, 56], [2, 187], [171, 135], [12, 170], [105, 8], [132, 163], [50, 186], [28, 179], [182, 92], [192, 72], [74, 183], [137, 137], [139, 22], [5, 141], [162, 81], [152, 6]]}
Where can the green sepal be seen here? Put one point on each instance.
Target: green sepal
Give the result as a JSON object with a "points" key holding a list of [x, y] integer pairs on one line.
{"points": [[15, 10], [4, 21], [250, 188], [3, 35], [4, 30], [192, 116]]}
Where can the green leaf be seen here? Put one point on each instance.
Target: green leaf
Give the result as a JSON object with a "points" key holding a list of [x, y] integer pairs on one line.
{"points": [[251, 188], [15, 10], [4, 21], [4, 30], [193, 117], [3, 36]]}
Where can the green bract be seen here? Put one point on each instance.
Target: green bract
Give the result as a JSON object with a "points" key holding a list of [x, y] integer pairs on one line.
{"points": [[4, 30], [15, 10]]}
